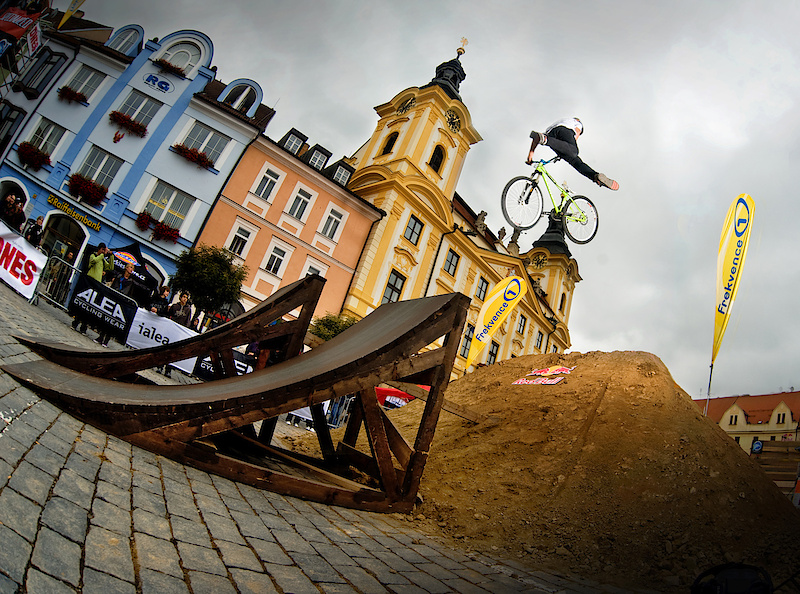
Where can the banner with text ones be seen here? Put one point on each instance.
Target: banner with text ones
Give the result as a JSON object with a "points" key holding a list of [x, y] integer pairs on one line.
{"points": [[21, 264], [496, 307]]}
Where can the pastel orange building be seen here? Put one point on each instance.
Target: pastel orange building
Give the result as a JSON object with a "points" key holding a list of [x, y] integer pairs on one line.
{"points": [[286, 213]]}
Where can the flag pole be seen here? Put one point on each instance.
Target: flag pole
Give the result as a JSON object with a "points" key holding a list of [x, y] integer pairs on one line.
{"points": [[708, 394]]}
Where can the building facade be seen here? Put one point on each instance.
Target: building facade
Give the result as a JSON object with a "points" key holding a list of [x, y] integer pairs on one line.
{"points": [[285, 213], [138, 136]]}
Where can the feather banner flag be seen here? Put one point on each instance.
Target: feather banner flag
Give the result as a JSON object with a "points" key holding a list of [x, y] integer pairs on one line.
{"points": [[496, 307], [730, 261]]}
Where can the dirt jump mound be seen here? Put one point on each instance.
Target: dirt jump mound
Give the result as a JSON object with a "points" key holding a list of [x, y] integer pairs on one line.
{"points": [[610, 472]]}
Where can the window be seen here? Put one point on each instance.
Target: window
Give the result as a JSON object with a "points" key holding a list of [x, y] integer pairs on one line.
{"points": [[736, 439], [317, 160], [521, 323], [312, 270], [86, 81], [241, 97], [10, 119], [781, 418], [140, 107], [40, 73], [555, 348], [733, 420], [100, 166], [451, 263], [563, 302], [205, 140], [239, 241], [387, 148], [493, 350], [483, 285], [46, 136], [466, 342], [275, 260], [293, 144], [301, 201], [183, 55], [332, 224], [437, 158], [342, 175], [124, 41], [169, 205], [413, 230], [393, 288], [539, 338], [267, 184]]}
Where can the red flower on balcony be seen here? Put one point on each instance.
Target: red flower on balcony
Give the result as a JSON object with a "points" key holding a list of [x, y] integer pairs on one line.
{"points": [[87, 190], [126, 122], [169, 67], [197, 157], [31, 156], [162, 231], [144, 220], [70, 95]]}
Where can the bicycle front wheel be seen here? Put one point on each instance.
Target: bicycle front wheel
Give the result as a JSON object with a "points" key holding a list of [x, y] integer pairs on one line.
{"points": [[522, 202], [580, 219]]}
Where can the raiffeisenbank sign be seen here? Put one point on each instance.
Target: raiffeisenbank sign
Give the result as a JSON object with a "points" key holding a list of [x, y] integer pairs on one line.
{"points": [[496, 307]]}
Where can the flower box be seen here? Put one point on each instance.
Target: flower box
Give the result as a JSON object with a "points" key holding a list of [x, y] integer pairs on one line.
{"points": [[169, 67], [126, 122], [144, 220], [164, 232], [70, 95], [32, 157], [197, 157], [87, 190]]}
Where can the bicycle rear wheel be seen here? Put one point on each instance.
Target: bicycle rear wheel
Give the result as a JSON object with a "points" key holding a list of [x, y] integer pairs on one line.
{"points": [[580, 219], [522, 202]]}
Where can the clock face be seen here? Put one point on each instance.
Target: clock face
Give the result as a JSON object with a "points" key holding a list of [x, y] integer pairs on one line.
{"points": [[539, 260], [408, 104], [453, 121]]}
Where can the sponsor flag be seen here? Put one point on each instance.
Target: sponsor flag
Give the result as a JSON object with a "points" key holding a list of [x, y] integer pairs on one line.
{"points": [[72, 9], [21, 264], [730, 260], [496, 307]]}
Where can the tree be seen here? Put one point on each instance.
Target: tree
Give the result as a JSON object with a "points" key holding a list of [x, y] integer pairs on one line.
{"points": [[210, 276], [330, 325]]}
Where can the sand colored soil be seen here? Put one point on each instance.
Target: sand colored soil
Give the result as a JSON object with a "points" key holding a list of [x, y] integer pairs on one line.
{"points": [[611, 474]]}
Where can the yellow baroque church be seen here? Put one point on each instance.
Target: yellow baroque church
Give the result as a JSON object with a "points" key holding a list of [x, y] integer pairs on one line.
{"points": [[431, 242]]}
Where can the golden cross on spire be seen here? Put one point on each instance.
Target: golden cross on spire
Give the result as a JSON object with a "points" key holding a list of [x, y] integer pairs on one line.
{"points": [[464, 43]]}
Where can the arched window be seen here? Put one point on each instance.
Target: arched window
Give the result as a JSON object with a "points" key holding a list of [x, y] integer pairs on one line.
{"points": [[437, 158], [563, 302], [124, 41], [241, 97], [183, 54], [387, 148]]}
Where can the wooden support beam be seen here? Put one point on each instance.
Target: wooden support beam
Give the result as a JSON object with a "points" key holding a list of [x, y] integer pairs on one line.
{"points": [[456, 409], [373, 422], [323, 432]]}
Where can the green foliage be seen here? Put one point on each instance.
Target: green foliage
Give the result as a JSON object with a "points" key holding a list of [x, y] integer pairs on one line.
{"points": [[210, 276], [330, 325]]}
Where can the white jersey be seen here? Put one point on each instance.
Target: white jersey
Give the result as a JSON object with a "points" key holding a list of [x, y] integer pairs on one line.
{"points": [[570, 123]]}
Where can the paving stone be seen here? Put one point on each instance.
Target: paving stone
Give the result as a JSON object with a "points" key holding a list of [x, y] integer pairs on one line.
{"points": [[211, 504], [382, 572], [316, 568], [311, 533], [30, 481], [23, 432], [206, 582], [95, 582], [115, 475], [269, 552], [201, 558], [37, 582], [291, 579], [55, 444], [158, 526], [463, 586], [149, 501], [333, 554], [154, 582], [5, 470], [193, 532], [74, 488], [274, 522], [111, 517], [14, 554], [251, 582], [360, 579], [19, 513], [147, 482], [182, 506], [66, 518], [234, 555], [56, 556], [425, 581], [159, 555], [179, 488], [336, 588], [251, 525], [291, 541], [113, 495], [84, 466], [109, 552], [223, 528]]}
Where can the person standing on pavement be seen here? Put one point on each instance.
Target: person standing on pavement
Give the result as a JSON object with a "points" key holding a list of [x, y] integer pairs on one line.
{"points": [[101, 261]]}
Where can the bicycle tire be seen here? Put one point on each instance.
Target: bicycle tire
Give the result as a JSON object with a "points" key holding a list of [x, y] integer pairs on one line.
{"points": [[580, 219], [522, 202]]}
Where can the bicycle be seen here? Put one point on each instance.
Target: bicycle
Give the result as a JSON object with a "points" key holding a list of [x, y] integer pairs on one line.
{"points": [[523, 203]]}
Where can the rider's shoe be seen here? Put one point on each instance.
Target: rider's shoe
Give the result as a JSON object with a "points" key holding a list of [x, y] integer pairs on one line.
{"points": [[603, 180]]}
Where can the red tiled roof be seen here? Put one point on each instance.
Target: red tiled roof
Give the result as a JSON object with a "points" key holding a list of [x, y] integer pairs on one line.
{"points": [[757, 408]]}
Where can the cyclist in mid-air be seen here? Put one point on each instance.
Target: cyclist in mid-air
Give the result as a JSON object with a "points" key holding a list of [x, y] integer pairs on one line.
{"points": [[562, 137]]}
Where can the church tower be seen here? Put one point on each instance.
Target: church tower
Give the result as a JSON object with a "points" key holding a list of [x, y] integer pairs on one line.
{"points": [[410, 167]]}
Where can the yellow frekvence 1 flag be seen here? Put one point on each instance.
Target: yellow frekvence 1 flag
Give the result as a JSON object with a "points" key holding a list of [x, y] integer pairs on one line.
{"points": [[73, 7], [496, 307], [730, 260]]}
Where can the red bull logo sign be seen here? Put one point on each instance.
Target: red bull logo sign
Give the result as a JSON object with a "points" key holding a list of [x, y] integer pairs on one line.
{"points": [[558, 370]]}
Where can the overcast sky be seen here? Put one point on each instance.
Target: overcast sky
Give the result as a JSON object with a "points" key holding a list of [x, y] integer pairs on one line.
{"points": [[686, 104]]}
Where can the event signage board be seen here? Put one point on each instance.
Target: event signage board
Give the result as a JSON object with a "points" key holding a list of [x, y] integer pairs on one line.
{"points": [[102, 307], [151, 330], [21, 264]]}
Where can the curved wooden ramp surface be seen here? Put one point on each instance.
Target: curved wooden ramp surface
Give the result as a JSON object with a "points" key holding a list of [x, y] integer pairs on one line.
{"points": [[193, 423], [258, 324]]}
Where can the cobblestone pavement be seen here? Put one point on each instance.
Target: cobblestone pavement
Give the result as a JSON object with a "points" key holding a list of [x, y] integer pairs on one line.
{"points": [[82, 511]]}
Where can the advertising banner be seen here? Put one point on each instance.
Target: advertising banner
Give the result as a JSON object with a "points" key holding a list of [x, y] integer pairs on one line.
{"points": [[102, 307], [15, 22], [496, 307], [150, 330], [21, 264]]}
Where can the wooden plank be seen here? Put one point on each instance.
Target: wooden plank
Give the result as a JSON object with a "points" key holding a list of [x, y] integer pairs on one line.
{"points": [[397, 443], [323, 432], [376, 432]]}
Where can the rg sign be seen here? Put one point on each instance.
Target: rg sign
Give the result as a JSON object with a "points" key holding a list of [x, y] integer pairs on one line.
{"points": [[159, 84]]}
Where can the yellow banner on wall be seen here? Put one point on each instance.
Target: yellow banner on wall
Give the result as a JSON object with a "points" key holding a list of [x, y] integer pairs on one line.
{"points": [[496, 307], [730, 260]]}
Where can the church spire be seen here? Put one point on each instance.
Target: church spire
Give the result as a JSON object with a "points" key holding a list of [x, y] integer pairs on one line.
{"points": [[449, 75]]}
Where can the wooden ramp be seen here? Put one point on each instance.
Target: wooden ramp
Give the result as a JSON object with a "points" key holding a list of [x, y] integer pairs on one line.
{"points": [[209, 425], [781, 461], [263, 323]]}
